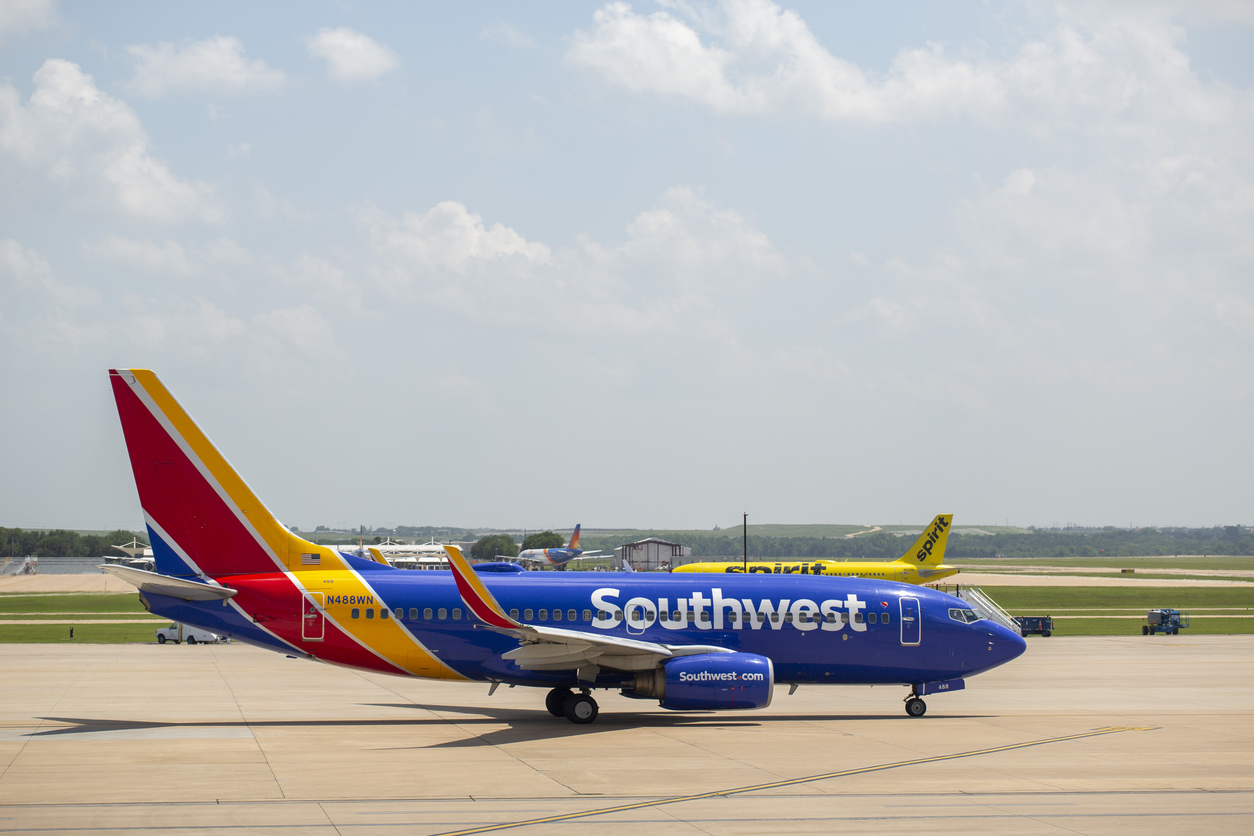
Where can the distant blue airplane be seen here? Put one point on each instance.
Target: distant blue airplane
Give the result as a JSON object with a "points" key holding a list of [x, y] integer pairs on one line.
{"points": [[689, 642]]}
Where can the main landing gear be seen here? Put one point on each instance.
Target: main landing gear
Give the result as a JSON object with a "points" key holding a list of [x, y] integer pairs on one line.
{"points": [[580, 708], [916, 707]]}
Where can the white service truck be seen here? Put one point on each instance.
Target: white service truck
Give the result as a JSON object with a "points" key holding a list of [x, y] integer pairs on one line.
{"points": [[179, 632]]}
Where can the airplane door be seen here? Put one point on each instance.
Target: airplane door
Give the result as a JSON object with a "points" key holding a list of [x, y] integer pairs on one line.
{"points": [[911, 622], [313, 618]]}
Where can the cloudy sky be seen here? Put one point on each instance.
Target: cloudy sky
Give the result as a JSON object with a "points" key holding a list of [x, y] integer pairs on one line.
{"points": [[636, 265]]}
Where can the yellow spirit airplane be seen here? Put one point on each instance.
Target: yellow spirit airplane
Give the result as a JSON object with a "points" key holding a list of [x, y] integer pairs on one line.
{"points": [[922, 562]]}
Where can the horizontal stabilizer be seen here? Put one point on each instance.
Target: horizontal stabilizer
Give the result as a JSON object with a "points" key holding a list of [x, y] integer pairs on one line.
{"points": [[169, 586]]}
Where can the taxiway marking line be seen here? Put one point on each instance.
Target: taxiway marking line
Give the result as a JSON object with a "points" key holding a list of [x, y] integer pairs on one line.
{"points": [[490, 828]]}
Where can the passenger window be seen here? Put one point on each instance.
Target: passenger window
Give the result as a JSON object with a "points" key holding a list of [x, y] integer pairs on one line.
{"points": [[587, 615], [884, 617], [761, 617], [788, 618], [457, 615], [602, 615], [733, 617], [443, 613], [384, 614], [675, 615], [774, 618], [369, 612], [844, 618], [872, 617], [557, 615], [857, 617], [705, 616], [571, 615], [803, 617], [356, 613], [513, 614], [831, 618], [427, 613], [544, 615], [413, 614], [529, 615]]}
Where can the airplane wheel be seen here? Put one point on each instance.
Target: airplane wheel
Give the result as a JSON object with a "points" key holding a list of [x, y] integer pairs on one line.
{"points": [[555, 701], [916, 707], [191, 639], [160, 639], [581, 709]]}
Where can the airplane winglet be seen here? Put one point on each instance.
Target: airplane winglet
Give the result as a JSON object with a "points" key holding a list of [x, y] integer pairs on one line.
{"points": [[479, 600]]}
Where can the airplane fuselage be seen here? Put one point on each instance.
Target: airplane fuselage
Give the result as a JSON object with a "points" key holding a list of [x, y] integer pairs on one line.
{"points": [[814, 629]]}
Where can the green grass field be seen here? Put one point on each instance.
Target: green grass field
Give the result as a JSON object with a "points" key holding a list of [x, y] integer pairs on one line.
{"points": [[1040, 600], [1209, 562], [83, 633], [95, 602]]}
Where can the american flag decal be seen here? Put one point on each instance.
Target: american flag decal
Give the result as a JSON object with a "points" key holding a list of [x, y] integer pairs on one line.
{"points": [[310, 560]]}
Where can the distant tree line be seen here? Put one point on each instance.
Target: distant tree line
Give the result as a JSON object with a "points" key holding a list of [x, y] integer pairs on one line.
{"points": [[16, 542], [1110, 542]]}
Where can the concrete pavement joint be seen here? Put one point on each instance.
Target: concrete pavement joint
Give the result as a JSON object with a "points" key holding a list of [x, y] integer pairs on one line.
{"points": [[797, 781]]}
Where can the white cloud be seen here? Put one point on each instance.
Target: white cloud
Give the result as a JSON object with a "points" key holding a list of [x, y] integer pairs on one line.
{"points": [[752, 57], [351, 56], [298, 334], [167, 259], [682, 265], [447, 237], [27, 267], [239, 150], [17, 17], [89, 141], [215, 65], [328, 284], [227, 253], [503, 33], [38, 312]]}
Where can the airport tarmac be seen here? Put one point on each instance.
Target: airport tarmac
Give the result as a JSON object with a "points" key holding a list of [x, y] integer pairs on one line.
{"points": [[1098, 735]]}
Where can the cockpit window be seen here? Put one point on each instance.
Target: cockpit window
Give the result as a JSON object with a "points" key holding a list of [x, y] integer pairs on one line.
{"points": [[965, 616]]}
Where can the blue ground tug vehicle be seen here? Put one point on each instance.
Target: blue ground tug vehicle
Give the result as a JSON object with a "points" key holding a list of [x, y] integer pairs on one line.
{"points": [[1167, 622]]}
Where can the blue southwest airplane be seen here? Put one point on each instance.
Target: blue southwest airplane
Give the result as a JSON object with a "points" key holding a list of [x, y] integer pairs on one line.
{"points": [[689, 642]]}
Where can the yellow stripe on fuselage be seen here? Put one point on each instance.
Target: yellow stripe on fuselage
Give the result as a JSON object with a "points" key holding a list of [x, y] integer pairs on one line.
{"points": [[345, 590]]}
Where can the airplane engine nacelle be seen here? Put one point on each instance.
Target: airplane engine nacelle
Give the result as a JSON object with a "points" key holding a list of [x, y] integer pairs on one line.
{"points": [[710, 682]]}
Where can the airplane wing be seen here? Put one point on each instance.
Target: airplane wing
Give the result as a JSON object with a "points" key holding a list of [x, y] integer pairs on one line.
{"points": [[166, 585], [555, 648], [595, 554]]}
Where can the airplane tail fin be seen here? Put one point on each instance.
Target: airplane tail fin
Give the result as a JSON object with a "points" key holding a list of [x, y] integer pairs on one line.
{"points": [[929, 549], [202, 518], [574, 538]]}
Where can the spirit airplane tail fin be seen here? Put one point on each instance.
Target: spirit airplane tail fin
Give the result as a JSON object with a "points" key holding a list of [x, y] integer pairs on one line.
{"points": [[929, 549], [202, 518]]}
